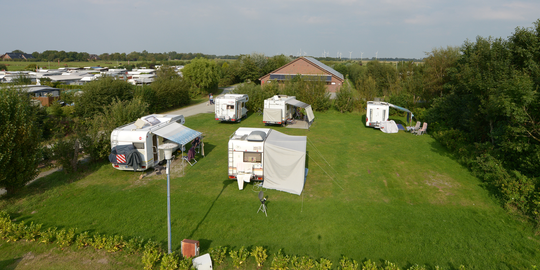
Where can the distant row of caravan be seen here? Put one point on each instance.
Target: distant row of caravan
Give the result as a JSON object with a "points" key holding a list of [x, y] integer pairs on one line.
{"points": [[278, 110]]}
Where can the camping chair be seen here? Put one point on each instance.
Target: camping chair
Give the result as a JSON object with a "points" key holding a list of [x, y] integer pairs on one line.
{"points": [[423, 130], [190, 156], [415, 128], [263, 201]]}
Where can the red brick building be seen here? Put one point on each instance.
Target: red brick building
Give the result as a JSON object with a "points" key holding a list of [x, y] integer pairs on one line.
{"points": [[305, 66]]}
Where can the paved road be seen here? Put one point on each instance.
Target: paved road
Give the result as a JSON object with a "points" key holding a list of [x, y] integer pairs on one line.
{"points": [[202, 107]]}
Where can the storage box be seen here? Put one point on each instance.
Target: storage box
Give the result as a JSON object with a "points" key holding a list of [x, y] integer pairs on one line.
{"points": [[190, 248]]}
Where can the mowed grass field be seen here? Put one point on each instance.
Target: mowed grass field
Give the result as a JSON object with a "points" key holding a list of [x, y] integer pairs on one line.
{"points": [[368, 195]]}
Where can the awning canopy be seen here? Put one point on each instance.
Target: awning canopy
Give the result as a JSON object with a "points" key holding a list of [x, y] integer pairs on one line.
{"points": [[178, 133], [398, 108], [285, 162], [297, 103], [410, 115]]}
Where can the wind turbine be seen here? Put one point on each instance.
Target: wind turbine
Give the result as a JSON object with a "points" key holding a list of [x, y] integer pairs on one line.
{"points": [[350, 56], [376, 55], [361, 53]]}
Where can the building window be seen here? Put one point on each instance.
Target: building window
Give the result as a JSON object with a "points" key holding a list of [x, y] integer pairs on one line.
{"points": [[252, 157]]}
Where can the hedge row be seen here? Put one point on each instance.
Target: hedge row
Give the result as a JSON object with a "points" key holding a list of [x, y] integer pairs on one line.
{"points": [[154, 256]]}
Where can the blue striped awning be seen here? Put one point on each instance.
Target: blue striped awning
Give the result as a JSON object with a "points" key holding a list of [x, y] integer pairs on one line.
{"points": [[178, 133]]}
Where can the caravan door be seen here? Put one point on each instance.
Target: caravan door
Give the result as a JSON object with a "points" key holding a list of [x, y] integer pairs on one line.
{"points": [[155, 148]]}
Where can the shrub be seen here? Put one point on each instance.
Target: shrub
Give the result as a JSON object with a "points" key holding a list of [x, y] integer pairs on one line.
{"points": [[170, 261], [218, 254], [83, 240], [186, 264], [32, 232], [323, 264], [134, 245], [151, 255], [239, 256], [48, 236], [66, 153], [64, 238], [345, 100], [348, 264], [280, 261], [99, 241], [302, 263], [260, 255], [114, 243]]}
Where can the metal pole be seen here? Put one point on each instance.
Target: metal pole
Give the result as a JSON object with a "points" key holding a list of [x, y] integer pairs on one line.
{"points": [[169, 203]]}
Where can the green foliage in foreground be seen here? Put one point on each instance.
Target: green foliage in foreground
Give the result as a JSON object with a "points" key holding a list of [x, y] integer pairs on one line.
{"points": [[19, 139], [394, 197]]}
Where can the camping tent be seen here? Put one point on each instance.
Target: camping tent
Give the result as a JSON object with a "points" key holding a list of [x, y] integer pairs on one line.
{"points": [[284, 162]]}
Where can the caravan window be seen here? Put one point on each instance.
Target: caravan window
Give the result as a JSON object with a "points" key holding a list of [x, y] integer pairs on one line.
{"points": [[252, 157], [138, 145], [230, 107]]}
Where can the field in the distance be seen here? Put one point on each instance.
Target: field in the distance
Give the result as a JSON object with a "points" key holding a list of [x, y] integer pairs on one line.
{"points": [[395, 197]]}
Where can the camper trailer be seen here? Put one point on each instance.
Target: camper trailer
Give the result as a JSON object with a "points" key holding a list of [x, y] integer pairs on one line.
{"points": [[281, 108], [262, 154], [378, 111], [231, 107], [144, 137]]}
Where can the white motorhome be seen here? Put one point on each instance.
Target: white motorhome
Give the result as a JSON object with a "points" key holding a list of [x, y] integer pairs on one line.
{"points": [[145, 136], [262, 154], [281, 108], [379, 111], [231, 107]]}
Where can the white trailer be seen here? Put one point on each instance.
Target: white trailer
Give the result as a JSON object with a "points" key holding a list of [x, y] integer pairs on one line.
{"points": [[144, 136], [262, 154], [231, 107], [281, 108], [379, 111]]}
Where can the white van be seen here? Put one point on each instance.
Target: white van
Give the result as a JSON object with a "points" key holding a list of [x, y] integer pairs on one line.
{"points": [[231, 107], [379, 111]]}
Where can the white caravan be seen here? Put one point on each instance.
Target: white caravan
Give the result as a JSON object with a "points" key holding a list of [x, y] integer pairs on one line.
{"points": [[262, 154], [280, 108], [144, 137], [378, 111], [231, 107]]}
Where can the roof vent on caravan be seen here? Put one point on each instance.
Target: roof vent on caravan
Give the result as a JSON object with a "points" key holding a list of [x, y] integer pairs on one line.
{"points": [[152, 120], [256, 136], [139, 123]]}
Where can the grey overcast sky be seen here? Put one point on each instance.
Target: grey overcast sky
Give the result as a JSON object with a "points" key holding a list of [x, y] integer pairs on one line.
{"points": [[393, 28]]}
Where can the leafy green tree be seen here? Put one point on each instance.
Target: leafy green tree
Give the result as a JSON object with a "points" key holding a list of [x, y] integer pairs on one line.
{"points": [[170, 90], [3, 67], [100, 93], [345, 100], [202, 74], [19, 139], [437, 63]]}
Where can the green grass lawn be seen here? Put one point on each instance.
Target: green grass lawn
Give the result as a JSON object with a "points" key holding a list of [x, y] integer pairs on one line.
{"points": [[368, 195]]}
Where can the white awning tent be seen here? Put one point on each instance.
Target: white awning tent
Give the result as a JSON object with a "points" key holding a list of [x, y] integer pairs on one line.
{"points": [[272, 115], [389, 127], [285, 162], [307, 107]]}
